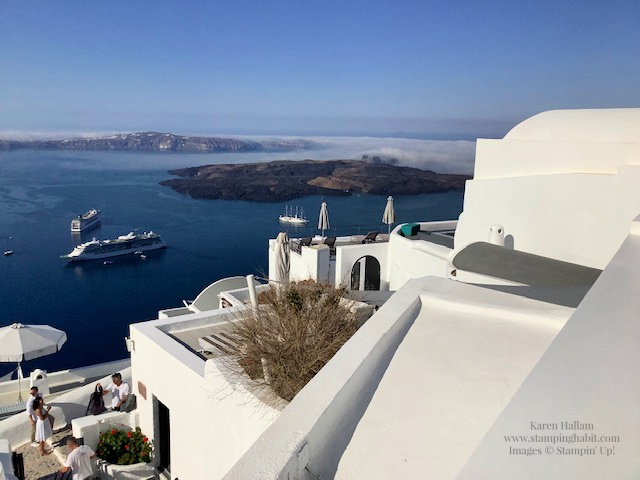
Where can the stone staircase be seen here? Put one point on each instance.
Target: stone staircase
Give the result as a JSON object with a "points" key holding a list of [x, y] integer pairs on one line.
{"points": [[58, 443], [37, 466]]}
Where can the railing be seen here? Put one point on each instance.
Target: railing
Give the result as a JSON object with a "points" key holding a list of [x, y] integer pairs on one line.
{"points": [[71, 376]]}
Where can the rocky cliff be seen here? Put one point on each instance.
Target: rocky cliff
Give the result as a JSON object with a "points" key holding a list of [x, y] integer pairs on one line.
{"points": [[156, 142]]}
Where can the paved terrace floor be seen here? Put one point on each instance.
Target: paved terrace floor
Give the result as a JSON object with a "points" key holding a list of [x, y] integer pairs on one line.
{"points": [[190, 338], [457, 368]]}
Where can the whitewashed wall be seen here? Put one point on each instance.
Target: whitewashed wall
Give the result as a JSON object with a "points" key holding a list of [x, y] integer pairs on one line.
{"points": [[511, 158], [348, 255], [310, 263], [315, 428], [212, 423], [415, 259], [589, 374], [579, 218], [66, 407]]}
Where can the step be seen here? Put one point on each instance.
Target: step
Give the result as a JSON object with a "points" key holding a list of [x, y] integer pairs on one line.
{"points": [[57, 442]]}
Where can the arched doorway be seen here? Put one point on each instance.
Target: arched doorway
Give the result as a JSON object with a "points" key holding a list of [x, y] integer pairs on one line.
{"points": [[365, 274]]}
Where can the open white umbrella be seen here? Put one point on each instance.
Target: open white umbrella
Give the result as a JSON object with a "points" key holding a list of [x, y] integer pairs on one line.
{"points": [[389, 215], [323, 221], [283, 259], [19, 343]]}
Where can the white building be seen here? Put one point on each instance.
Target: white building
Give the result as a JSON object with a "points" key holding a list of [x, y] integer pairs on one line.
{"points": [[523, 310]]}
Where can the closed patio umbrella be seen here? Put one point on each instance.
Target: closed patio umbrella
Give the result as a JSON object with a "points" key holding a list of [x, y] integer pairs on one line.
{"points": [[19, 343], [323, 221], [283, 260], [389, 216]]}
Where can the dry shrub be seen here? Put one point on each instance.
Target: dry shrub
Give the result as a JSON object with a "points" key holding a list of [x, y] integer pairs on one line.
{"points": [[293, 334]]}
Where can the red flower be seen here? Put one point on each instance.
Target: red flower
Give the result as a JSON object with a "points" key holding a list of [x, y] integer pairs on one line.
{"points": [[100, 442], [129, 434], [113, 432], [126, 447], [145, 439]]}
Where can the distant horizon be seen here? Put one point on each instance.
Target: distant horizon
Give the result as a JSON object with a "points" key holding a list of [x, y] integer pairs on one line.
{"points": [[404, 69], [43, 135]]}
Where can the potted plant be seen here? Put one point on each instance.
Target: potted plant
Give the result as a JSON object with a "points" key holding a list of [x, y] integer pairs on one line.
{"points": [[124, 450]]}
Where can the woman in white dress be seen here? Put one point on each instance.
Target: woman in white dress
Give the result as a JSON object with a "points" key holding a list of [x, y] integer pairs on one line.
{"points": [[43, 424]]}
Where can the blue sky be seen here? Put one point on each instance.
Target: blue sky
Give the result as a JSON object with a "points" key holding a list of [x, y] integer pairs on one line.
{"points": [[450, 69]]}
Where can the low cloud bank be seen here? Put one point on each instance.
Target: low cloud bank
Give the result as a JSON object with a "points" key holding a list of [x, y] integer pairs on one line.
{"points": [[441, 156]]}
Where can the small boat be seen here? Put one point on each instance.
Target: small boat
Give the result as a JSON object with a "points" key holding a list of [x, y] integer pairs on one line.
{"points": [[143, 257], [8, 252], [289, 217], [107, 262], [138, 252]]}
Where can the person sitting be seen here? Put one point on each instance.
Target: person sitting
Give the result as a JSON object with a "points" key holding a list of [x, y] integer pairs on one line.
{"points": [[119, 391]]}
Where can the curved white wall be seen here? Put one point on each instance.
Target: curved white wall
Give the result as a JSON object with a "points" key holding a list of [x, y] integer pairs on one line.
{"points": [[564, 184], [620, 125], [417, 258], [578, 218]]}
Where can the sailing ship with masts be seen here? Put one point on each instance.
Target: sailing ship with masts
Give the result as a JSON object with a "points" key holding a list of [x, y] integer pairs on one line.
{"points": [[296, 218]]}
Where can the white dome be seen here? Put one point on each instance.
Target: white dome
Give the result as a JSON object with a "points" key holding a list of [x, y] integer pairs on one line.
{"points": [[589, 125]]}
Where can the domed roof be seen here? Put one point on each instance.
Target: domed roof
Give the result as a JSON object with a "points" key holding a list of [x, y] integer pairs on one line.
{"points": [[589, 125]]}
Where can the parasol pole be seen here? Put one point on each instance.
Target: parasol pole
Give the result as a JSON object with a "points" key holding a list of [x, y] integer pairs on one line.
{"points": [[19, 383]]}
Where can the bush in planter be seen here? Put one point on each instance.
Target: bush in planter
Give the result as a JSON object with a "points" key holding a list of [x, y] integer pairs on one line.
{"points": [[120, 447], [297, 330]]}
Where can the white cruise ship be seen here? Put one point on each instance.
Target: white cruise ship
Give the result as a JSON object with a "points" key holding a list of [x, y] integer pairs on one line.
{"points": [[85, 221], [123, 245]]}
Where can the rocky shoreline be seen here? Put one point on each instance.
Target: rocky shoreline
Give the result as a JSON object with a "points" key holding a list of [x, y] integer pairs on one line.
{"points": [[286, 180]]}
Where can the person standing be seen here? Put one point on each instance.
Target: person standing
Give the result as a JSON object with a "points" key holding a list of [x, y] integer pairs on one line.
{"points": [[31, 413], [78, 460], [43, 424], [119, 391]]}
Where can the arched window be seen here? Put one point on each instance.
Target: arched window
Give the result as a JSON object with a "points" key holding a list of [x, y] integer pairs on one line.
{"points": [[365, 274]]}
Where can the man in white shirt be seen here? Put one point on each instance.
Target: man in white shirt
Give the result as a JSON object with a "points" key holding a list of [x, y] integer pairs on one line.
{"points": [[33, 394], [119, 391], [78, 460]]}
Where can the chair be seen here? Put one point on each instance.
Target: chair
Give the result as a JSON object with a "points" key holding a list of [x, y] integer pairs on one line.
{"points": [[304, 242], [371, 237], [330, 242]]}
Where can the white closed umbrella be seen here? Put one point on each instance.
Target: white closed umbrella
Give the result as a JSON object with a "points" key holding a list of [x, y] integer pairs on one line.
{"points": [[19, 343], [323, 220], [389, 216], [283, 258]]}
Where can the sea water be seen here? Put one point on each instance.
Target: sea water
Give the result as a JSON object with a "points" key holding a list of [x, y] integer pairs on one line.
{"points": [[94, 303]]}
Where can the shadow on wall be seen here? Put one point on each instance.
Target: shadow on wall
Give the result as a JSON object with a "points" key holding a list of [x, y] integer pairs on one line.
{"points": [[509, 242]]}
